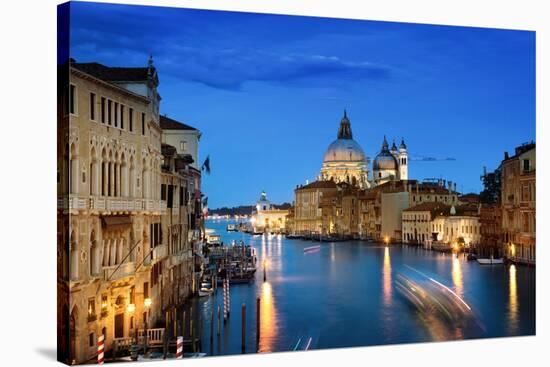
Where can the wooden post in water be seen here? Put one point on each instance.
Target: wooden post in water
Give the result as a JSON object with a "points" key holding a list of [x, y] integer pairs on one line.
{"points": [[257, 323], [243, 327], [212, 327], [218, 320]]}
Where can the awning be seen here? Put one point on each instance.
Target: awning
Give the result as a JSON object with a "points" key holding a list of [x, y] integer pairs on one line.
{"points": [[117, 222]]}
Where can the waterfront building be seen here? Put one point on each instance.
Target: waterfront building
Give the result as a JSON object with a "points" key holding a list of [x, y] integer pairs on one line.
{"points": [[457, 226], [267, 218], [109, 205], [172, 270], [417, 222], [183, 137], [370, 209], [392, 206], [440, 191], [308, 216], [339, 210], [490, 221], [518, 198]]}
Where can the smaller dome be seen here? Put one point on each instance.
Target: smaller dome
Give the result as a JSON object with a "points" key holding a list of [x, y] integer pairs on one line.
{"points": [[384, 162], [402, 146], [393, 147]]}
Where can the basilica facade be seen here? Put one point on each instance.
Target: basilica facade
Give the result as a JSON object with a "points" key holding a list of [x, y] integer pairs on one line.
{"points": [[345, 161]]}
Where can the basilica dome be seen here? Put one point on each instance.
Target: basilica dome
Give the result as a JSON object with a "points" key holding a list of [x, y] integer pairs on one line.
{"points": [[344, 150], [344, 159]]}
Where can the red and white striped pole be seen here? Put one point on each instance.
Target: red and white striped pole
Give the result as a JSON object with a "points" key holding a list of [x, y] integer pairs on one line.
{"points": [[228, 300], [100, 349], [224, 301], [179, 348]]}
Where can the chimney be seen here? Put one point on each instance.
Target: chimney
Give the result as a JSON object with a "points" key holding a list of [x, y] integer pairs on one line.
{"points": [[506, 156], [454, 187]]}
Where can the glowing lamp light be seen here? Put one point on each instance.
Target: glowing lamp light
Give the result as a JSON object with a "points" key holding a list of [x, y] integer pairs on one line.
{"points": [[386, 240], [147, 302], [131, 307]]}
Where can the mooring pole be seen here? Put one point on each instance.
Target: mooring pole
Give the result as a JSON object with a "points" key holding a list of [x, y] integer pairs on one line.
{"points": [[218, 320], [243, 327], [257, 323]]}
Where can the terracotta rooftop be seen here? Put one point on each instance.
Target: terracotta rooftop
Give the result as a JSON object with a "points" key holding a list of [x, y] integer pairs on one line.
{"points": [[428, 207], [113, 74], [318, 185], [167, 123]]}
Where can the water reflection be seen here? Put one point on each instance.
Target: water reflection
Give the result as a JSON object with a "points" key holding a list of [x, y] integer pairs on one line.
{"points": [[456, 272], [513, 300], [268, 326], [386, 275]]}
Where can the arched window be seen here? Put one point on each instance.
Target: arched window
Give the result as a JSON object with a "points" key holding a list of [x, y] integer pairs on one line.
{"points": [[123, 176], [145, 180], [106, 252], [132, 180], [104, 174], [111, 174], [74, 170], [74, 254], [94, 173], [94, 255]]}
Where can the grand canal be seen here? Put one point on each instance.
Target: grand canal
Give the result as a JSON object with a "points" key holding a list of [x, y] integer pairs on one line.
{"points": [[346, 294]]}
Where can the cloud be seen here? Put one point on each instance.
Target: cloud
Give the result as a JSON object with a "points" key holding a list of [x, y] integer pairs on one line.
{"points": [[208, 50]]}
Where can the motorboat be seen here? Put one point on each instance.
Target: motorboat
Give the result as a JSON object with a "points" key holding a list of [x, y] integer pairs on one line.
{"points": [[232, 228], [441, 246], [213, 240], [203, 292], [490, 261], [312, 249]]}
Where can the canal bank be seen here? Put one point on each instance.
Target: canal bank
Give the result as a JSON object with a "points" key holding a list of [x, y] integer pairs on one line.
{"points": [[345, 295]]}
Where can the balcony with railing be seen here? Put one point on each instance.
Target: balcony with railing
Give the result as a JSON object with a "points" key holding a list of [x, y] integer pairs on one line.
{"points": [[121, 271], [72, 202], [159, 252], [124, 205]]}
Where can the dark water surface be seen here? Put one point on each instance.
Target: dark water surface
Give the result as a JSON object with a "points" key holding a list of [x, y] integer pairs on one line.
{"points": [[345, 295]]}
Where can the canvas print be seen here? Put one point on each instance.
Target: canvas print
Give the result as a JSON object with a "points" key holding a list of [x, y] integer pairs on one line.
{"points": [[233, 183]]}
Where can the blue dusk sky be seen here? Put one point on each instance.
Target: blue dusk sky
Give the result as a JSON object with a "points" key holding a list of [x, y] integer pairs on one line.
{"points": [[268, 91]]}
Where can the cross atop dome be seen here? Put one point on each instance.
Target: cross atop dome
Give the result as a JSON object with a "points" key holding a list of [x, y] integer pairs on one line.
{"points": [[344, 132]]}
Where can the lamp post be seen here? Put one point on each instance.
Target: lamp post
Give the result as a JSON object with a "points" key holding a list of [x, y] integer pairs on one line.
{"points": [[386, 240], [147, 304], [134, 349]]}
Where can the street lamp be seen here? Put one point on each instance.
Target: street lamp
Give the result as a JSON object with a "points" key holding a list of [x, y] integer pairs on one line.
{"points": [[147, 303], [386, 240]]}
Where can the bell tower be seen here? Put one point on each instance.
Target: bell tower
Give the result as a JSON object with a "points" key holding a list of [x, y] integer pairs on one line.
{"points": [[403, 160]]}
